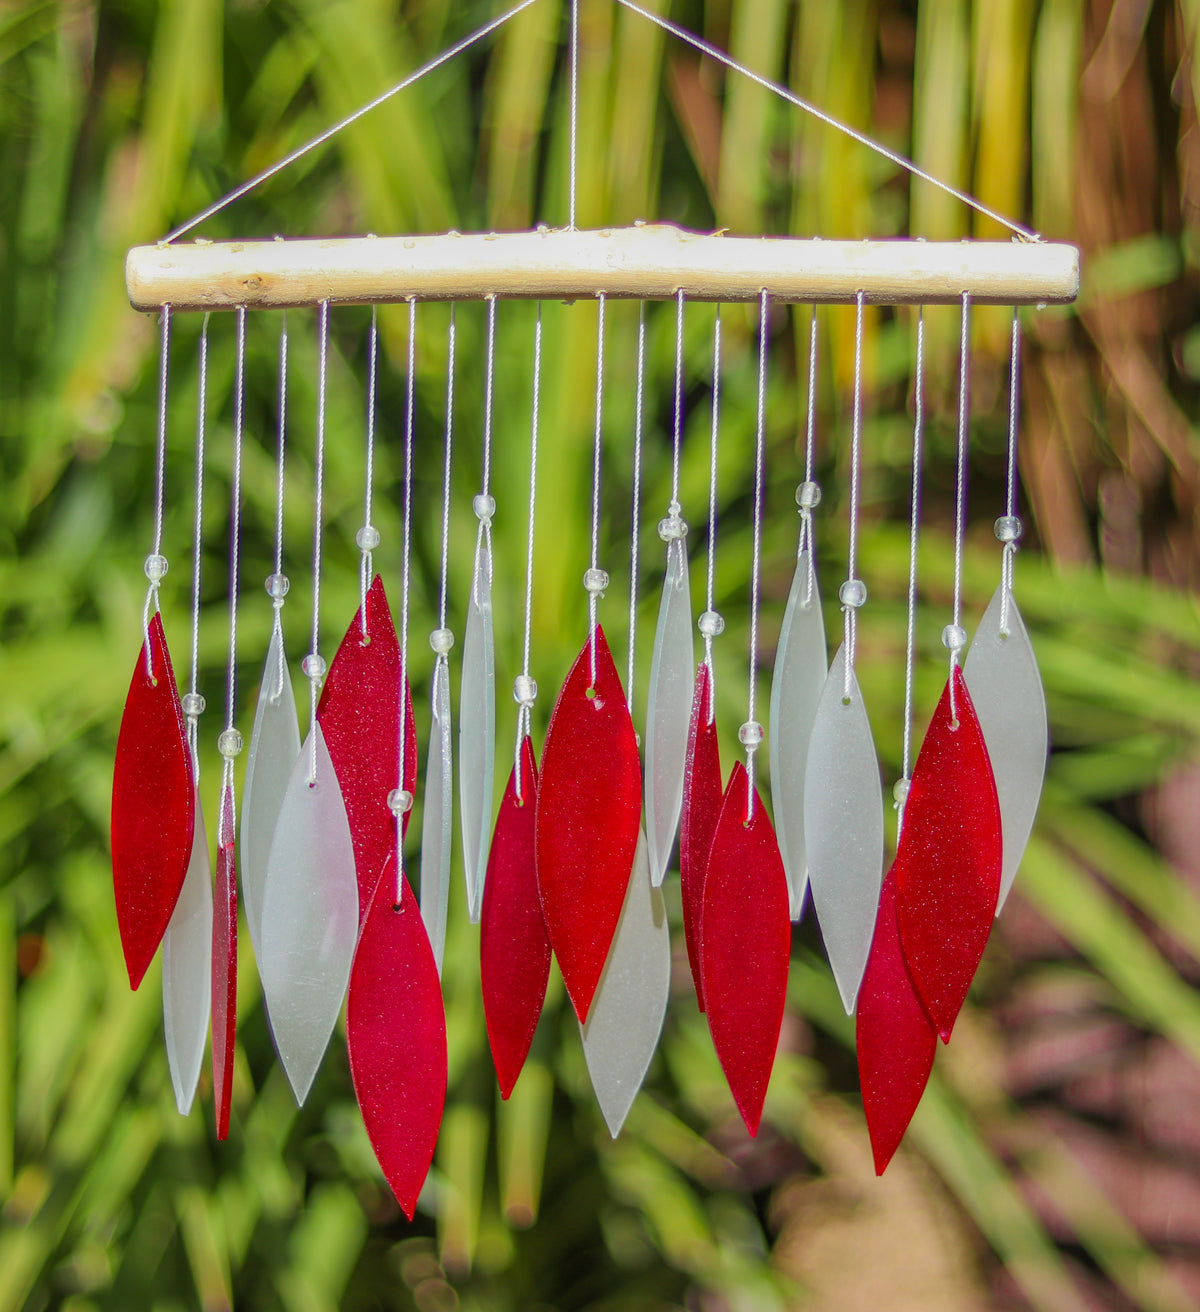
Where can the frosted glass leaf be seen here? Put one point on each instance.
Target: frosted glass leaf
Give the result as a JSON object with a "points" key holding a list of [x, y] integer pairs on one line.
{"points": [[187, 971], [310, 916], [477, 732], [801, 664], [224, 964], [668, 711], [274, 747], [439, 818], [626, 1015], [843, 825], [1006, 689]]}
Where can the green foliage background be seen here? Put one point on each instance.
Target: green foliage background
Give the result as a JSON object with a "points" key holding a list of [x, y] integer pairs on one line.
{"points": [[1055, 1160]]}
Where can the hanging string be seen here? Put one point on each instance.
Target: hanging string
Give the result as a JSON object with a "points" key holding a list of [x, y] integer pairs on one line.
{"points": [[751, 733], [853, 592], [677, 434], [451, 356], [367, 537], [954, 636], [1008, 527], [525, 686], [229, 744], [155, 566], [808, 494], [193, 703], [596, 579], [910, 640], [711, 623], [400, 800], [313, 665], [484, 504], [277, 582], [574, 112], [639, 414]]}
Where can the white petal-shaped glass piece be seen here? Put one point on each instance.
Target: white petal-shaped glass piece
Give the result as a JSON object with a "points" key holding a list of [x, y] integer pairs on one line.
{"points": [[801, 664], [310, 916], [626, 1015], [274, 747], [843, 826], [1006, 689], [477, 731], [187, 971], [437, 822], [668, 711]]}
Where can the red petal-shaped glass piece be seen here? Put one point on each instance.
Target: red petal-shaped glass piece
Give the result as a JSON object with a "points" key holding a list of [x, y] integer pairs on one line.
{"points": [[745, 945], [588, 813], [514, 948], [947, 865], [396, 1037], [702, 796], [896, 1042], [224, 965], [153, 806], [359, 712]]}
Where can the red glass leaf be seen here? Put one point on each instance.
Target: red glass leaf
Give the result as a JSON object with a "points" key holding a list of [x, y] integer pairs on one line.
{"points": [[153, 806], [514, 949], [896, 1042], [224, 965], [702, 795], [745, 945], [359, 713], [396, 1037], [588, 813], [947, 863]]}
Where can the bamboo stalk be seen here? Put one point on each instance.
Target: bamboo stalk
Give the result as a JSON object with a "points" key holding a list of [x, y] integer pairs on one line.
{"points": [[646, 261]]}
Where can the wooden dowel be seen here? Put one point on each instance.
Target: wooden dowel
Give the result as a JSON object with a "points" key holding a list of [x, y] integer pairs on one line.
{"points": [[647, 261]]}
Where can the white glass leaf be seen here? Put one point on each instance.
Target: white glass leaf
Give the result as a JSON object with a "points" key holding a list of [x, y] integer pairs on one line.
{"points": [[437, 823], [274, 746], [801, 664], [843, 826], [1006, 689], [626, 1015], [668, 711], [477, 731], [310, 916], [187, 971]]}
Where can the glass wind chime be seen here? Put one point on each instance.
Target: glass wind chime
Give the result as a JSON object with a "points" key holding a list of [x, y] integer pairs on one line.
{"points": [[572, 862]]}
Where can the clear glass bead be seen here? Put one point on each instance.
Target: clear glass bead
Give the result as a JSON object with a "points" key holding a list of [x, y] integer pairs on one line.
{"points": [[595, 580], [711, 623], [750, 734], [672, 528], [524, 690], [277, 586], [229, 743], [808, 495], [314, 665], [367, 537], [1008, 528], [441, 640], [853, 593], [484, 507], [954, 637], [193, 703], [399, 801], [155, 567], [900, 791]]}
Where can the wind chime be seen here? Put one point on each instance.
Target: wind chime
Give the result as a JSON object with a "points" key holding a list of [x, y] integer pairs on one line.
{"points": [[573, 861]]}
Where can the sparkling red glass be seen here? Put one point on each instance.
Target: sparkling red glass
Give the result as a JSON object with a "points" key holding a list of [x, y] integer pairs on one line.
{"points": [[588, 814], [153, 806], [702, 797], [224, 965]]}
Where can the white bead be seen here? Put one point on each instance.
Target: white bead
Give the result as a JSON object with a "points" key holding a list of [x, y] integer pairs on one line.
{"points": [[750, 734], [1008, 528], [954, 637], [853, 593], [277, 586], [671, 528], [155, 567], [193, 703], [808, 495], [314, 666], [229, 744], [399, 801], [441, 640], [900, 791], [711, 623], [595, 580], [484, 507], [367, 538], [524, 690]]}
